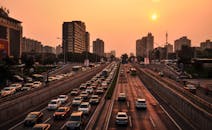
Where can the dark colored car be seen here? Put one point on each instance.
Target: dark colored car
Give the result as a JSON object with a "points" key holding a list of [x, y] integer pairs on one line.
{"points": [[33, 118]]}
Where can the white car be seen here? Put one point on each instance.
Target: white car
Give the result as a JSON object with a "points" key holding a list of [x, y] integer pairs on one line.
{"points": [[122, 97], [89, 90], [54, 104], [140, 103], [85, 107], [27, 86], [104, 84], [82, 86], [122, 118], [77, 100], [84, 95], [63, 98], [8, 91], [37, 84], [51, 78], [94, 99], [99, 90], [17, 86], [75, 91]]}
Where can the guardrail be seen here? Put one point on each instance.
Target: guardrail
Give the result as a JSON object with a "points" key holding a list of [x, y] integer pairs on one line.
{"points": [[96, 115], [195, 99], [197, 116]]}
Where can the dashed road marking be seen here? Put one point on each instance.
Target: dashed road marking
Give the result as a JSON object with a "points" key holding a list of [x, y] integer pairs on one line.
{"points": [[47, 120], [16, 125], [151, 120], [130, 119]]}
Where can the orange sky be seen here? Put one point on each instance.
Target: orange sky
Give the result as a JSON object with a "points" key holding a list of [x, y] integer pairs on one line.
{"points": [[118, 22]]}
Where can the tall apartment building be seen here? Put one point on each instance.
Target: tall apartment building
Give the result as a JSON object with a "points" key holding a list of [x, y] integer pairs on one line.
{"points": [[87, 42], [183, 41], [144, 45], [10, 35], [75, 38], [206, 45], [98, 47], [30, 45]]}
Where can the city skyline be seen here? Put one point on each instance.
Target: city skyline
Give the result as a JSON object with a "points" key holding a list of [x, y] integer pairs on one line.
{"points": [[135, 19]]}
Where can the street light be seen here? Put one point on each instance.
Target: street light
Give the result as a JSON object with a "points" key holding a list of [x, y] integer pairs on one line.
{"points": [[63, 46]]}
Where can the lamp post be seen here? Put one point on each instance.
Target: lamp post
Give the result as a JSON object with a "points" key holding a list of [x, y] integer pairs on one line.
{"points": [[64, 51]]}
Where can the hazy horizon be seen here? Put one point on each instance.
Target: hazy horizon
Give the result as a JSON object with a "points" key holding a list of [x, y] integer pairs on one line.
{"points": [[119, 23]]}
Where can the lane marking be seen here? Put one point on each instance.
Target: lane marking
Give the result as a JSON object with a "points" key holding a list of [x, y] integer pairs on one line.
{"points": [[47, 120], [63, 126], [151, 120], [130, 119], [171, 118], [16, 125], [128, 104]]}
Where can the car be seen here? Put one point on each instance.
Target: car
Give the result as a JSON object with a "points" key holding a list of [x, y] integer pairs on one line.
{"points": [[62, 98], [99, 90], [27, 86], [77, 100], [53, 104], [37, 84], [82, 86], [94, 99], [61, 113], [33, 118], [104, 84], [84, 95], [17, 86], [58, 77], [41, 127], [140, 103], [121, 118], [75, 91], [7, 91], [122, 97], [191, 88], [161, 74], [51, 78], [89, 90], [75, 121], [85, 107]]}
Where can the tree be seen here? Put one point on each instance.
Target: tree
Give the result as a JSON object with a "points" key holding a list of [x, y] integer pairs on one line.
{"points": [[124, 58]]}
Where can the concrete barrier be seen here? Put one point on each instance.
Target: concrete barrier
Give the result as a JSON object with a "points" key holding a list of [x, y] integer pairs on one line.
{"points": [[12, 110], [198, 117]]}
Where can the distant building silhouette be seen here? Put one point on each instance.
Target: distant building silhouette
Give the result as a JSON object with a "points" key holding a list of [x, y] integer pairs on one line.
{"points": [[145, 45], [183, 41], [206, 45], [169, 48], [87, 42], [10, 35], [75, 38], [59, 50], [30, 45], [98, 47]]}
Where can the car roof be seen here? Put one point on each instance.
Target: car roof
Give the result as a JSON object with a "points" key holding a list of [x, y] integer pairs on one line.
{"points": [[141, 99], [63, 107], [41, 125], [86, 103], [76, 113], [35, 113], [122, 113]]}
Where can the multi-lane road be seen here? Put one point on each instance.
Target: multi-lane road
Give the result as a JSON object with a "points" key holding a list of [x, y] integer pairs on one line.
{"points": [[154, 117]]}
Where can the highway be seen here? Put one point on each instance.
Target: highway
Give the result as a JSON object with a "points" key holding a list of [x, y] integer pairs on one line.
{"points": [[152, 118]]}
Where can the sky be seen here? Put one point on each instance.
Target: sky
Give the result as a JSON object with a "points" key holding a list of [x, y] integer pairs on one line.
{"points": [[119, 23]]}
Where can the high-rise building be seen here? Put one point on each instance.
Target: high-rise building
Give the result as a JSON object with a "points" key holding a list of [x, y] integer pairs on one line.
{"points": [[87, 42], [30, 45], [183, 41], [169, 48], [10, 35], [58, 50], [144, 45], [98, 47], [74, 37], [113, 52], [206, 45]]}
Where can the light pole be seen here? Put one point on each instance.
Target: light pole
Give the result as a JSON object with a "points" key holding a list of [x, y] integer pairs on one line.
{"points": [[64, 51]]}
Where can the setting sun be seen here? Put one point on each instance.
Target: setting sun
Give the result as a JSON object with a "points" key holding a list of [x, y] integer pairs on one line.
{"points": [[154, 16]]}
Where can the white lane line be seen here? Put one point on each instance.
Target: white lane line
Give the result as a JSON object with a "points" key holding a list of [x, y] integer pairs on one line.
{"points": [[151, 120], [171, 118], [63, 126], [16, 125], [130, 121], [47, 120], [128, 104]]}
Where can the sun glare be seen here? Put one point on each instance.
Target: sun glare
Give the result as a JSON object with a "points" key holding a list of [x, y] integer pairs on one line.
{"points": [[154, 17]]}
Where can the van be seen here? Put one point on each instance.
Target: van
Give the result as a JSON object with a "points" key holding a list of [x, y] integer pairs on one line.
{"points": [[75, 121]]}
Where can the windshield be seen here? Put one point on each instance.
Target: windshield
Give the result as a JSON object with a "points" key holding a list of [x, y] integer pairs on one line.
{"points": [[60, 110], [31, 116], [75, 118], [84, 106], [53, 102]]}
